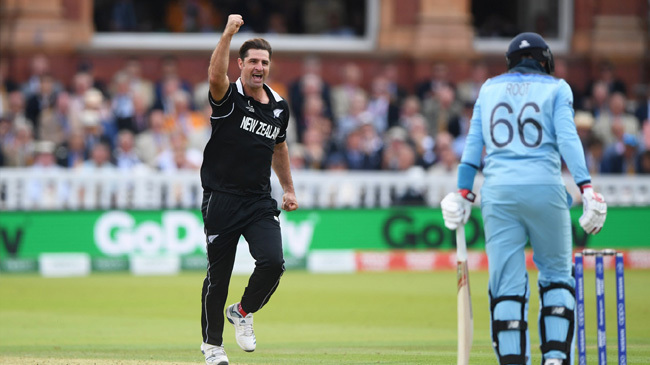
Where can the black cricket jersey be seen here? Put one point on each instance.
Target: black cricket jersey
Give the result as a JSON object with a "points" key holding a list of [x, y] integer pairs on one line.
{"points": [[237, 158]]}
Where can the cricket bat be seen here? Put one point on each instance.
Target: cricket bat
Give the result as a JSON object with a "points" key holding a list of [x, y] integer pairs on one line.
{"points": [[465, 316]]}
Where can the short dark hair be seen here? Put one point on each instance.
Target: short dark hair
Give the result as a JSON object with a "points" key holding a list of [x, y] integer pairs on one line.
{"points": [[255, 43]]}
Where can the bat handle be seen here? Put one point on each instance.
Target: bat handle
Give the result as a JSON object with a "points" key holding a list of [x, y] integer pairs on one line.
{"points": [[461, 245]]}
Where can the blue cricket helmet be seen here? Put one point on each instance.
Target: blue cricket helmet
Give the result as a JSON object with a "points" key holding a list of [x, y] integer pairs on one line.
{"points": [[532, 44]]}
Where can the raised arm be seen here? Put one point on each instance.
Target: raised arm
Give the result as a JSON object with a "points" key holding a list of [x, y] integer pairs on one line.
{"points": [[281, 166], [218, 70]]}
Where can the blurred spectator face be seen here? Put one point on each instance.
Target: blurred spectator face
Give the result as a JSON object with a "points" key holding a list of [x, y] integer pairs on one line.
{"points": [[380, 87], [82, 82], [169, 67], [297, 162], [76, 141], [314, 105], [411, 106], [100, 154], [46, 85], [617, 104], [418, 126], [139, 104], [312, 84], [443, 141], [399, 155], [325, 127], [181, 101], [125, 141], [16, 102], [63, 102], [312, 136], [368, 131], [157, 120], [171, 86], [391, 72], [445, 96], [178, 141], [23, 134], [600, 93], [311, 65], [179, 158], [122, 83], [45, 159], [90, 120], [448, 157], [358, 104], [353, 141], [133, 68], [352, 74], [618, 129], [40, 65], [297, 156]]}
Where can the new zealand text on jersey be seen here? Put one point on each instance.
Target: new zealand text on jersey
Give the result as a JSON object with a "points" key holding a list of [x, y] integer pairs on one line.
{"points": [[261, 128]]}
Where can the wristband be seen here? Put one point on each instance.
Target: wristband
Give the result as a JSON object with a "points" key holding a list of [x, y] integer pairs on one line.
{"points": [[585, 186], [467, 194]]}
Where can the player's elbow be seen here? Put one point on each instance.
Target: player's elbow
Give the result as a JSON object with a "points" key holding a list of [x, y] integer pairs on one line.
{"points": [[218, 87], [215, 79]]}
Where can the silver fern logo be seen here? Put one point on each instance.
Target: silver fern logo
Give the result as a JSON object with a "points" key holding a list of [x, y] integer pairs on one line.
{"points": [[250, 107]]}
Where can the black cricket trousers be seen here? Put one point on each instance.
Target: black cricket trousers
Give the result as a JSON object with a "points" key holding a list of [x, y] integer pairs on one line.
{"points": [[227, 217]]}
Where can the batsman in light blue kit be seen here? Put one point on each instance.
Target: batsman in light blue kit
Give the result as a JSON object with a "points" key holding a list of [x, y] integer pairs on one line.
{"points": [[524, 119]]}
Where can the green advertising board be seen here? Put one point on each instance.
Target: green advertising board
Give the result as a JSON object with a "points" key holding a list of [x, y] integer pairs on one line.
{"points": [[423, 228], [108, 236]]}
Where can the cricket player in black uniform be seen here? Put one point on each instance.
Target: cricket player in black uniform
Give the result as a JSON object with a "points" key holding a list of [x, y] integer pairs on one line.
{"points": [[249, 122]]}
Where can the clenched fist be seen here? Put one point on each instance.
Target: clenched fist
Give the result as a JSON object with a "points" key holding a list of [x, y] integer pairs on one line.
{"points": [[289, 202], [235, 21]]}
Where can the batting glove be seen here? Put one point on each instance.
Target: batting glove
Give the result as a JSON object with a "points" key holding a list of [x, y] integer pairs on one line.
{"points": [[594, 210], [456, 208]]}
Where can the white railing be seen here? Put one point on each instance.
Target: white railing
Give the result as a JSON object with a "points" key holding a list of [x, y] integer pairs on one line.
{"points": [[27, 189]]}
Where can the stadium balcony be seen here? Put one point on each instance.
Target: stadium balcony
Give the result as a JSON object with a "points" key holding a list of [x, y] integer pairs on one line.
{"points": [[25, 189]]}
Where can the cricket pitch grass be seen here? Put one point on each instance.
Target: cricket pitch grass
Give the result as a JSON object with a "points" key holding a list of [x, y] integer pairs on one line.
{"points": [[365, 318]]}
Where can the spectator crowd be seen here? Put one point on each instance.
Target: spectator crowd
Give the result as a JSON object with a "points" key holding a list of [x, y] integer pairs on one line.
{"points": [[130, 122], [331, 17]]}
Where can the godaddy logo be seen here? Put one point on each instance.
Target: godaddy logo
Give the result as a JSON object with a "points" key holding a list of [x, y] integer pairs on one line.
{"points": [[118, 233], [178, 232]]}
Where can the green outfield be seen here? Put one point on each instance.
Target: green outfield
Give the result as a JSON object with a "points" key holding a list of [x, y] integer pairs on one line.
{"points": [[369, 318]]}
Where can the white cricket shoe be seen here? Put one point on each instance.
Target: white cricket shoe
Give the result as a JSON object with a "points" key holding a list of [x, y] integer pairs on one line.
{"points": [[243, 328], [553, 362], [214, 355]]}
